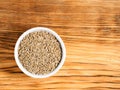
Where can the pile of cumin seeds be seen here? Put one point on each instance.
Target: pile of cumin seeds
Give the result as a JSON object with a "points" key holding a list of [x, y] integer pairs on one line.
{"points": [[39, 52]]}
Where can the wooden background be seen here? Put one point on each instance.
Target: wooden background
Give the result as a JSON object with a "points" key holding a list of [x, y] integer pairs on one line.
{"points": [[90, 30]]}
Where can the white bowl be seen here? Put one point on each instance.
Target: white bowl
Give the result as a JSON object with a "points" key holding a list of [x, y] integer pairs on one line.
{"points": [[34, 30]]}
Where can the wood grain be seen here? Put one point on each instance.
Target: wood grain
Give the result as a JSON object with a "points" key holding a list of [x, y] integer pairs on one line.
{"points": [[90, 30]]}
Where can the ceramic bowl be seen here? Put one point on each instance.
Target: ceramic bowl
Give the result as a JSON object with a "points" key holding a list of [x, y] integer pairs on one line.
{"points": [[34, 30]]}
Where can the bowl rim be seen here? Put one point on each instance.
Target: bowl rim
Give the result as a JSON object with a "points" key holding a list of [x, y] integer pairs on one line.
{"points": [[34, 30]]}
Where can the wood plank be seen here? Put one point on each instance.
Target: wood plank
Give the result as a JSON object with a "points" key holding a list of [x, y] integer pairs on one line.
{"points": [[90, 30]]}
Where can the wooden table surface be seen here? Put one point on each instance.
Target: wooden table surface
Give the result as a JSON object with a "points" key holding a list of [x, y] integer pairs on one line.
{"points": [[90, 30]]}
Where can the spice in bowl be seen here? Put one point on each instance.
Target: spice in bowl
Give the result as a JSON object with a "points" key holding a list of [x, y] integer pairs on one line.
{"points": [[39, 52]]}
